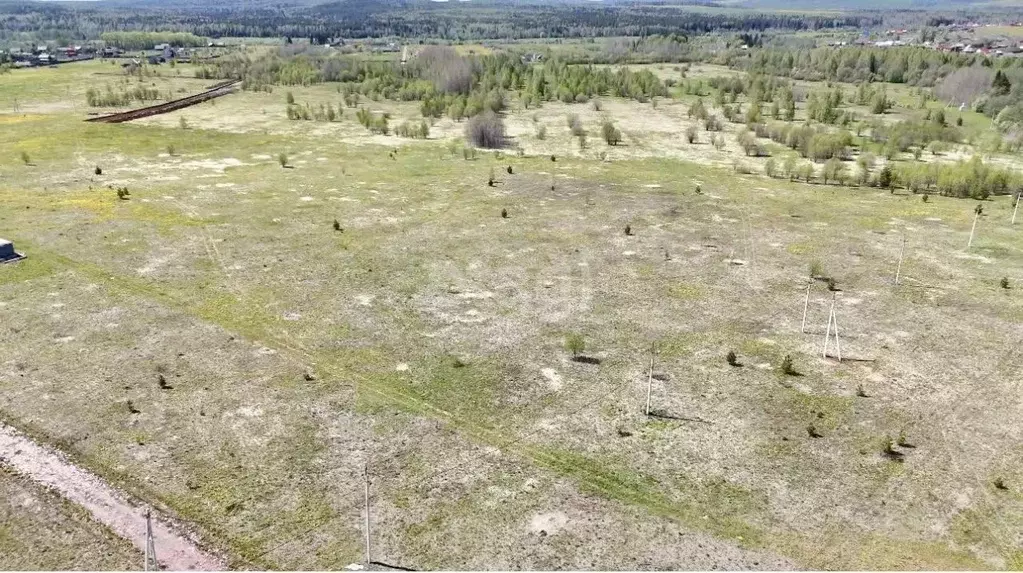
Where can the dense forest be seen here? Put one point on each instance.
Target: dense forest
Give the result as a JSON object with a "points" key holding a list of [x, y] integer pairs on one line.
{"points": [[28, 22]]}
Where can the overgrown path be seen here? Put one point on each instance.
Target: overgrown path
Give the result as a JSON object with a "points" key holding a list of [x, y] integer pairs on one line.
{"points": [[174, 549]]}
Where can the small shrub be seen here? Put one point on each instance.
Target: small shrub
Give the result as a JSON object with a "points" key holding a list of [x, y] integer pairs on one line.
{"points": [[486, 130], [290, 98], [732, 359], [832, 285], [596, 105], [1004, 282], [490, 178], [509, 170], [123, 194], [575, 343], [337, 226], [903, 441], [541, 132], [811, 430], [504, 213], [575, 125], [25, 158], [926, 198], [699, 191], [861, 392], [98, 170], [170, 150], [691, 134], [282, 159], [787, 368], [816, 269], [888, 449], [999, 483], [886, 177], [182, 122], [959, 121], [628, 230], [612, 135]]}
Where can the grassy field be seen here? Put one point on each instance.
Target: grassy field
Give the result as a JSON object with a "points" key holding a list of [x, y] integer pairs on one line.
{"points": [[39, 530], [426, 339]]}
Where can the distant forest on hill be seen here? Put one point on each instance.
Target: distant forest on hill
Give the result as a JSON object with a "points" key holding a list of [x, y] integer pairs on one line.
{"points": [[27, 22], [493, 19]]}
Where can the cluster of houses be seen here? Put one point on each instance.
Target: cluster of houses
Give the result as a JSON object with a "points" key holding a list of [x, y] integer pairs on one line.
{"points": [[46, 56], [987, 47], [49, 56]]}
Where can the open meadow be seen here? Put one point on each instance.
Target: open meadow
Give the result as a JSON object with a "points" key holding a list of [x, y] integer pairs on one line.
{"points": [[525, 348]]}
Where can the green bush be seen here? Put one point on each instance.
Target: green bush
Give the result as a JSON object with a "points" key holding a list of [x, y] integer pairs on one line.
{"points": [[575, 343]]}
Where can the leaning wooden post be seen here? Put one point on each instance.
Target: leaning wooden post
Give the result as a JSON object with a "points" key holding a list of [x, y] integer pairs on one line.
{"points": [[365, 477], [827, 331], [832, 319], [898, 269], [806, 305], [649, 380], [151, 562], [1016, 208], [975, 217], [838, 343]]}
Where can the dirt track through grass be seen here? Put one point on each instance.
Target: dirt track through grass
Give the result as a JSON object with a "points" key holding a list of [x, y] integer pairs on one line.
{"points": [[174, 550]]}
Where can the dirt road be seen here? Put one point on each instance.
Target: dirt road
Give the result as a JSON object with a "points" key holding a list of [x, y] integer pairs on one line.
{"points": [[174, 550]]}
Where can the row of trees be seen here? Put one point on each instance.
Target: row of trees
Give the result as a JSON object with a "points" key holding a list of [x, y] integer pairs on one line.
{"points": [[122, 97], [146, 40], [910, 65], [972, 178]]}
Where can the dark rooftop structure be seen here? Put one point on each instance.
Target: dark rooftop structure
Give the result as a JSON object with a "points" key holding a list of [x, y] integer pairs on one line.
{"points": [[7, 254]]}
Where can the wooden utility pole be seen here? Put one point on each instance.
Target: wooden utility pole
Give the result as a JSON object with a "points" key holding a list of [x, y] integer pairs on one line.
{"points": [[151, 563], [806, 305], [975, 217], [902, 251], [649, 380], [365, 475]]}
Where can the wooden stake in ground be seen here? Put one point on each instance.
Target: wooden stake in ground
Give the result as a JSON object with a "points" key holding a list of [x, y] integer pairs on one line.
{"points": [[806, 305], [365, 475], [975, 217], [151, 563], [832, 319], [898, 269], [1015, 209], [649, 380]]}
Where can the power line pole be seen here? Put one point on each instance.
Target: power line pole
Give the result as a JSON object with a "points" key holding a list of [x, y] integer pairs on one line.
{"points": [[151, 563], [365, 476]]}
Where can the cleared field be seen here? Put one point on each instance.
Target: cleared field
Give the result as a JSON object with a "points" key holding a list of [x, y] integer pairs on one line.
{"points": [[213, 344], [39, 530]]}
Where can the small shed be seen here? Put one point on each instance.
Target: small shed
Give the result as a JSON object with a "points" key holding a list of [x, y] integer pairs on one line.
{"points": [[7, 253]]}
